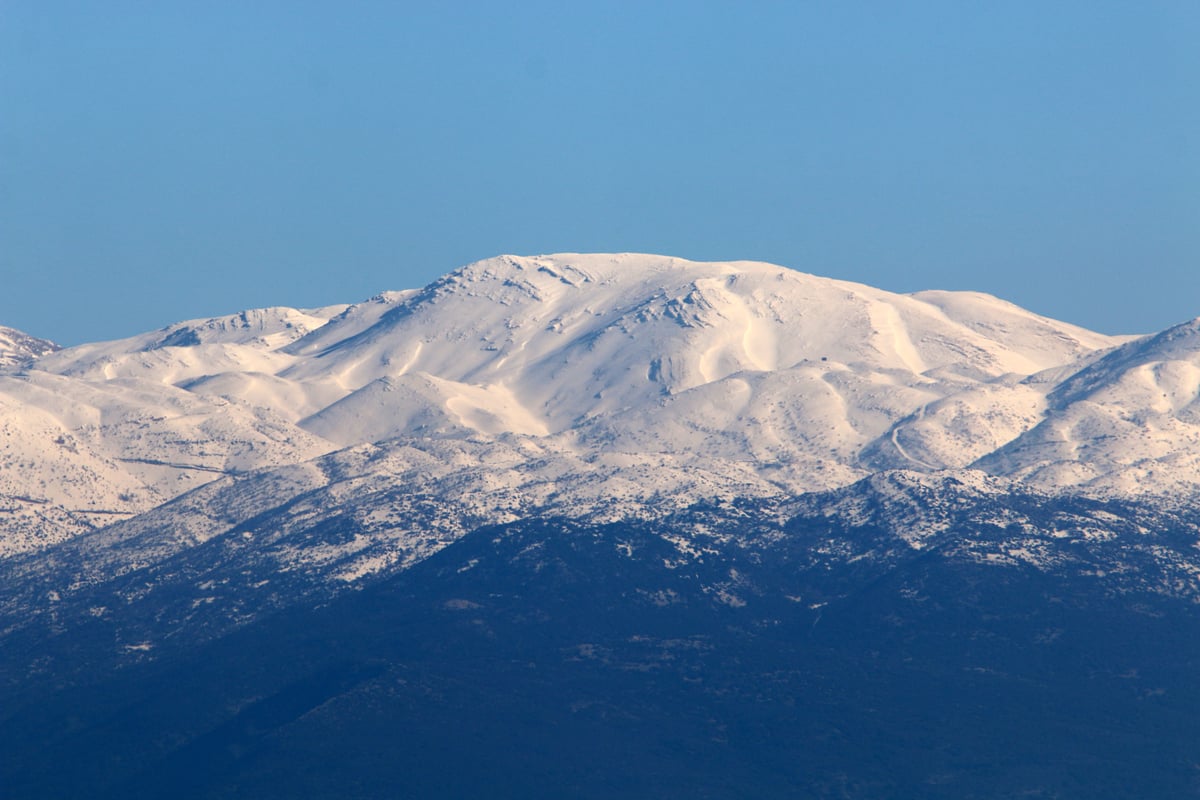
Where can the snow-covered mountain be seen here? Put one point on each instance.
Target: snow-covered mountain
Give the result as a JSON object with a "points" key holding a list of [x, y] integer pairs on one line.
{"points": [[640, 462], [599, 387], [742, 369]]}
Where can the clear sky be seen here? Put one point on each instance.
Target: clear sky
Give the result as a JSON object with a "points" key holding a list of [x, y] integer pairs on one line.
{"points": [[167, 160]]}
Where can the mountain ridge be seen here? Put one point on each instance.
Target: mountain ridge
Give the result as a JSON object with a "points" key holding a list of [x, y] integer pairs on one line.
{"points": [[811, 382], [604, 525]]}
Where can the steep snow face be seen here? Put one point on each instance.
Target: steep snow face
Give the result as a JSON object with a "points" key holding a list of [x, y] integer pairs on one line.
{"points": [[18, 348]]}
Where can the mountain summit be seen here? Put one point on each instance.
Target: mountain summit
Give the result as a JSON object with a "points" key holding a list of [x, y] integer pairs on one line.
{"points": [[758, 376]]}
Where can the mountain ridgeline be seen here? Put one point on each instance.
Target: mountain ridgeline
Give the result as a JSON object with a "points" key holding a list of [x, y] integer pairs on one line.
{"points": [[600, 526]]}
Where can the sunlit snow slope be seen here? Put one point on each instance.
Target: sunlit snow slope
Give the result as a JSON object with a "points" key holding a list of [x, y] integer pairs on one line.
{"points": [[699, 379]]}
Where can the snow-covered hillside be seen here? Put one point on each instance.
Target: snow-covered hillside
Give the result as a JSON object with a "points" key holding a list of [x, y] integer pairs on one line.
{"points": [[1125, 424], [615, 379]]}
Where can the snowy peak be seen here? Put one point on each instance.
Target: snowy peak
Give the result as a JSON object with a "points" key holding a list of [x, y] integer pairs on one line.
{"points": [[760, 378], [18, 348], [628, 329], [164, 354], [351, 321], [1128, 422], [269, 328], [1166, 360]]}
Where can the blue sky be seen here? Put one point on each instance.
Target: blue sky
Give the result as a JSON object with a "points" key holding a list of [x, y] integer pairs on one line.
{"points": [[160, 161]]}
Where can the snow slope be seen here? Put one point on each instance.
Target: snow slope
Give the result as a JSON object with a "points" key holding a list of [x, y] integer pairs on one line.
{"points": [[1125, 424]]}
